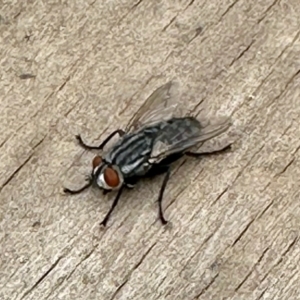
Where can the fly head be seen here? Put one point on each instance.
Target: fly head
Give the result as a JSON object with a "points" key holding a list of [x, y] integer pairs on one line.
{"points": [[107, 177]]}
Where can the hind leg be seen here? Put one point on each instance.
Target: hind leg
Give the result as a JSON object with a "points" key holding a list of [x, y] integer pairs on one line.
{"points": [[198, 154]]}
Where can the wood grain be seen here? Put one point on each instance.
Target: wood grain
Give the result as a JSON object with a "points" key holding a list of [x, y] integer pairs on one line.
{"points": [[234, 218]]}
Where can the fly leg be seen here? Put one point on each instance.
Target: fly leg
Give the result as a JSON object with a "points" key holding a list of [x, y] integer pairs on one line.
{"points": [[161, 193], [156, 170], [101, 146], [72, 192], [198, 154], [112, 207], [131, 182]]}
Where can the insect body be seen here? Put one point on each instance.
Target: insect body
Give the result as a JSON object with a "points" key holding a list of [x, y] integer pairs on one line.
{"points": [[152, 141]]}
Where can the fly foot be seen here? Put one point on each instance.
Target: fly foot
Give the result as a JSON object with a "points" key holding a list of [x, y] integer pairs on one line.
{"points": [[80, 141], [67, 191], [103, 224]]}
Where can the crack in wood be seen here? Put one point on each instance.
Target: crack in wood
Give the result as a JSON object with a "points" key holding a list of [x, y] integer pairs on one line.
{"points": [[267, 11], [266, 209], [238, 175], [17, 15], [135, 5], [291, 79], [74, 64], [207, 286], [290, 246], [64, 83], [135, 267], [247, 164], [264, 80], [198, 31], [87, 256], [281, 93], [197, 251], [287, 129], [220, 196], [169, 24], [268, 76], [262, 294], [159, 285], [252, 269], [296, 150], [286, 48], [191, 3], [67, 277], [119, 288], [18, 169], [4, 142], [15, 172], [243, 232], [42, 277], [26, 76], [285, 168], [242, 53], [228, 9]]}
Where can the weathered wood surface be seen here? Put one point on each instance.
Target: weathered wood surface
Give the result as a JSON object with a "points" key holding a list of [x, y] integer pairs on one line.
{"points": [[235, 217]]}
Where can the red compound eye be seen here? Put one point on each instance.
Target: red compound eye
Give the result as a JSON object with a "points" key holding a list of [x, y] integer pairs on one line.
{"points": [[97, 161], [111, 177]]}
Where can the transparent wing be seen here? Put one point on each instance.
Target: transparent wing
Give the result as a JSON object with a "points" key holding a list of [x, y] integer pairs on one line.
{"points": [[205, 131], [162, 104]]}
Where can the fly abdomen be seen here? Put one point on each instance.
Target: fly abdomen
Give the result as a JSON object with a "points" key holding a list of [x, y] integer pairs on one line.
{"points": [[178, 129]]}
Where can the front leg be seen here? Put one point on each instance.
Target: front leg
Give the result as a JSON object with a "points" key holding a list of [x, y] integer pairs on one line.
{"points": [[101, 146], [112, 207], [73, 192]]}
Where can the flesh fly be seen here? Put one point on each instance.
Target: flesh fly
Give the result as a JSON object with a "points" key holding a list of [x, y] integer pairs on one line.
{"points": [[158, 135]]}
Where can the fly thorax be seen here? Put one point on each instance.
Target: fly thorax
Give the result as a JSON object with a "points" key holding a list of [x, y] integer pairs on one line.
{"points": [[110, 178]]}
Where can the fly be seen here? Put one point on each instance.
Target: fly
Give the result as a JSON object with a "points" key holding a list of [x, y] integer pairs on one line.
{"points": [[158, 135]]}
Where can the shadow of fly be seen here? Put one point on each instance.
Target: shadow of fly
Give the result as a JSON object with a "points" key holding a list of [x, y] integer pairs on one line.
{"points": [[158, 135]]}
